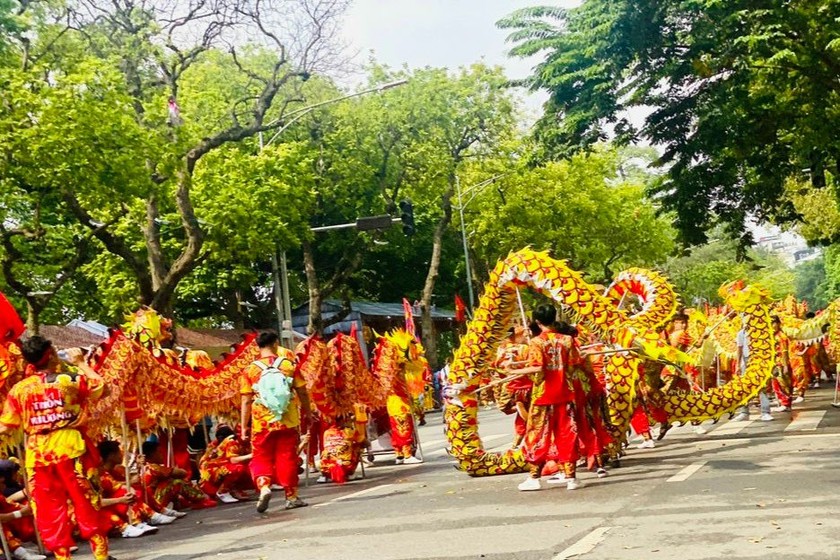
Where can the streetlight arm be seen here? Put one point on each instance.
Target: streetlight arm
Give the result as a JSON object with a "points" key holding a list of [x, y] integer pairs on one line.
{"points": [[298, 114]]}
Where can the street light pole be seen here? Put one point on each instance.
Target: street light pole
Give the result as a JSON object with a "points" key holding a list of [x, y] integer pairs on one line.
{"points": [[464, 239], [461, 205], [282, 298]]}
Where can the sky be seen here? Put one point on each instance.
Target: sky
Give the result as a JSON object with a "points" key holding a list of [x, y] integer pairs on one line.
{"points": [[441, 33]]}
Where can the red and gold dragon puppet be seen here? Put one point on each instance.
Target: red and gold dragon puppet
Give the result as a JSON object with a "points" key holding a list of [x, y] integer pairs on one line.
{"points": [[635, 335]]}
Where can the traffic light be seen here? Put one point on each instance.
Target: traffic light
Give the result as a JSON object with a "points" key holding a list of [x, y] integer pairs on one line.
{"points": [[407, 217]]}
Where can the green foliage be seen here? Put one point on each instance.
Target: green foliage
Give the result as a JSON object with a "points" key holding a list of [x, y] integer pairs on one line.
{"points": [[740, 96], [580, 210], [698, 275], [811, 283]]}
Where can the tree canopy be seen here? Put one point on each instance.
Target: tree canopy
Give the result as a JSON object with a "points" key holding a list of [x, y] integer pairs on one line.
{"points": [[739, 96]]}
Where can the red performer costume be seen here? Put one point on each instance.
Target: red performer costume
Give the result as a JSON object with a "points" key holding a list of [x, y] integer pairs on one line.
{"points": [[782, 370], [340, 455], [18, 528], [223, 466], [275, 442], [48, 406], [514, 397], [552, 431], [169, 485]]}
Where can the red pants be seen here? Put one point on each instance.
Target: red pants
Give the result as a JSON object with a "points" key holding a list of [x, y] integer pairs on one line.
{"points": [[552, 434], [781, 393], [52, 487], [17, 531], [402, 435], [224, 478], [276, 455]]}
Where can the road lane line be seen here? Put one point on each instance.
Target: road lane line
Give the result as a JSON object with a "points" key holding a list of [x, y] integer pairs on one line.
{"points": [[686, 472], [806, 421], [584, 545], [353, 495], [731, 428]]}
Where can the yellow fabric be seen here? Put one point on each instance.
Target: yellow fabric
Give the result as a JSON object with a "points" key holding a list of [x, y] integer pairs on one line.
{"points": [[262, 419]]}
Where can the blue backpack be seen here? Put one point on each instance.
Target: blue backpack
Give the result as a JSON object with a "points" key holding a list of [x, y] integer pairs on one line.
{"points": [[274, 388]]}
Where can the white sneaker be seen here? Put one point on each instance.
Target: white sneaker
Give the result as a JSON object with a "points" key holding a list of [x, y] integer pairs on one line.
{"points": [[262, 502], [23, 554], [573, 484], [132, 532], [558, 479], [799, 399], [740, 417], [766, 417], [700, 430], [398, 461], [161, 519], [313, 469], [412, 461], [146, 528], [602, 472], [169, 512], [367, 462], [530, 484], [226, 498], [647, 444], [321, 480], [276, 487], [780, 408]]}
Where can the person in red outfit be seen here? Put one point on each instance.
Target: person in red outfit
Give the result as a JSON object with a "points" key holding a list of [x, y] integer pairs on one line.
{"points": [[170, 485], [224, 466], [552, 428], [48, 406], [274, 442]]}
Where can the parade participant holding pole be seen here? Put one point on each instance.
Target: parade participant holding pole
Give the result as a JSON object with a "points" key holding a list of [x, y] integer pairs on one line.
{"points": [[782, 384], [551, 421], [274, 397], [48, 406]]}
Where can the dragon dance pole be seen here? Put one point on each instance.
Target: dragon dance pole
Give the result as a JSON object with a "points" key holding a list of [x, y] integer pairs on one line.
{"points": [[143, 466], [125, 439], [6, 552], [26, 483]]}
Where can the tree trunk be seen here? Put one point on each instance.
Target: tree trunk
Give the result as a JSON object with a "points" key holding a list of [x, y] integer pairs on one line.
{"points": [[429, 334], [33, 318], [316, 321]]}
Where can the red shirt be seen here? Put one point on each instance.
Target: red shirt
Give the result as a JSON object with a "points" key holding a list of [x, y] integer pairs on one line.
{"points": [[556, 354]]}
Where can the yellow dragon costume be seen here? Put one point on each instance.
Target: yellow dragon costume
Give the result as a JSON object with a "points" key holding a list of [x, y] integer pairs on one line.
{"points": [[636, 332]]}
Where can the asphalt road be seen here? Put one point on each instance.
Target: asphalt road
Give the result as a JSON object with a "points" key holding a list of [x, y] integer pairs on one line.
{"points": [[744, 490]]}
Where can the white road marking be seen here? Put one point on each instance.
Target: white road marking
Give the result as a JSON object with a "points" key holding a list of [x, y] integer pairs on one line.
{"points": [[353, 495], [807, 420], [687, 471], [584, 545], [731, 428]]}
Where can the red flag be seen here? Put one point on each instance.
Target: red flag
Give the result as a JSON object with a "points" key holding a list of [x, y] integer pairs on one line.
{"points": [[409, 318], [460, 310], [11, 325]]}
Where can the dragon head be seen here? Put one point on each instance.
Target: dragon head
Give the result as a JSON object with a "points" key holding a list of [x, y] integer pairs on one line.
{"points": [[740, 296], [147, 327]]}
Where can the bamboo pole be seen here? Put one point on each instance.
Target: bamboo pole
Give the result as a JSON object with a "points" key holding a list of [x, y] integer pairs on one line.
{"points": [[125, 441], [6, 551], [141, 468], [22, 455]]}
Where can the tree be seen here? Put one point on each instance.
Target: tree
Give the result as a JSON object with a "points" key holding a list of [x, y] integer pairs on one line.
{"points": [[192, 99], [698, 275], [740, 97], [811, 283], [580, 210]]}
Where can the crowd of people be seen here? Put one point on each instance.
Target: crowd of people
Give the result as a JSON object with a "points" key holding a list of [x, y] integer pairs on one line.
{"points": [[70, 483], [557, 392], [73, 484]]}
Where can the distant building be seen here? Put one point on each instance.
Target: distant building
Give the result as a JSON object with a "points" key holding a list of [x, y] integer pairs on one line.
{"points": [[790, 247]]}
